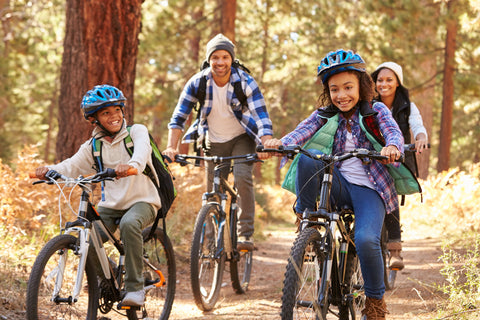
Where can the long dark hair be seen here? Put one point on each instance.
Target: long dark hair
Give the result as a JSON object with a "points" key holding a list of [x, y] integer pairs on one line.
{"points": [[366, 89]]}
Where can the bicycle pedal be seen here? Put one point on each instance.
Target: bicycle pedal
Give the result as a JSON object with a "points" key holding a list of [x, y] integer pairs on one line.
{"points": [[149, 282], [120, 306]]}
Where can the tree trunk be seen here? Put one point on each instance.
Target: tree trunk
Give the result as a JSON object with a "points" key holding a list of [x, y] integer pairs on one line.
{"points": [[101, 45], [227, 17], [447, 102]]}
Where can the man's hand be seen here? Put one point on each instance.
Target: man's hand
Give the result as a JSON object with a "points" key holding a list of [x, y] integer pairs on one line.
{"points": [[170, 153]]}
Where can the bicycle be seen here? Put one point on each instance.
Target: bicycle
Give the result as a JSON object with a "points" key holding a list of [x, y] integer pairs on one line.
{"points": [[56, 289], [214, 238], [323, 269], [390, 273]]}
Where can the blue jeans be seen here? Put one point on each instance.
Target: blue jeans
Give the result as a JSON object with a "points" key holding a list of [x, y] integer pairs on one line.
{"points": [[369, 214]]}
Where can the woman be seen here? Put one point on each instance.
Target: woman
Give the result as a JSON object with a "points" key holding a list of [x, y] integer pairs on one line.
{"points": [[388, 78]]}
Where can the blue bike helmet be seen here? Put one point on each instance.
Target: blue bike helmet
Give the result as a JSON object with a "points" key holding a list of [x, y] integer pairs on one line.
{"points": [[339, 61], [100, 97]]}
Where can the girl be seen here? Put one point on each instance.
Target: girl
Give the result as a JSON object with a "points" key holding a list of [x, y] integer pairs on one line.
{"points": [[368, 188]]}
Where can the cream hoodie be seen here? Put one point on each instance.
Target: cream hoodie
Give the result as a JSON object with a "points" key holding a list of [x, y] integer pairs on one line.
{"points": [[122, 193]]}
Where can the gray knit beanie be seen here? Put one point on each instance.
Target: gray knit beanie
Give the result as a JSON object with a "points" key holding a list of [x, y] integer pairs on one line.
{"points": [[220, 42]]}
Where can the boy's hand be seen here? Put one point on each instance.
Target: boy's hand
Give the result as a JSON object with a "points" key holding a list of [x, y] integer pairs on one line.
{"points": [[121, 170]]}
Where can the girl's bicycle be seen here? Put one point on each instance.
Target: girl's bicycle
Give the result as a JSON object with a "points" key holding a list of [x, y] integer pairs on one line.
{"points": [[323, 272], [56, 289], [215, 236]]}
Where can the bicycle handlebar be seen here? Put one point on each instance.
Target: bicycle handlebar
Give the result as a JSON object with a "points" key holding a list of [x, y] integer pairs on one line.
{"points": [[292, 150], [107, 174], [182, 158]]}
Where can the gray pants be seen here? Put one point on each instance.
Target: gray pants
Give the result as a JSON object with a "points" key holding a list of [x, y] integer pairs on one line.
{"points": [[132, 222], [243, 176]]}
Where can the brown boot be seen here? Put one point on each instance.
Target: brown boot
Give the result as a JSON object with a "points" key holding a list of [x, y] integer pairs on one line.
{"points": [[375, 309], [396, 260]]}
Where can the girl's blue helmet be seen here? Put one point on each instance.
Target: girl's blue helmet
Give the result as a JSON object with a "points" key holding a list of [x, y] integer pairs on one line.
{"points": [[339, 61], [100, 97]]}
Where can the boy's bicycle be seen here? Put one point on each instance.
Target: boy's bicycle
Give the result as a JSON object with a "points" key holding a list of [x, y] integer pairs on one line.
{"points": [[323, 269], [215, 236], [56, 289]]}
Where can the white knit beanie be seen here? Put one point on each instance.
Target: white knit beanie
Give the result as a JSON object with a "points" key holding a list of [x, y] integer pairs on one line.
{"points": [[396, 68]]}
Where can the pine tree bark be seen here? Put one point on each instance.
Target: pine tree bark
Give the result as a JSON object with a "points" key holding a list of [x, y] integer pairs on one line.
{"points": [[448, 87], [100, 47]]}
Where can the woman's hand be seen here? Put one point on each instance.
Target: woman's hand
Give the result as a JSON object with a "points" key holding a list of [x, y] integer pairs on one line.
{"points": [[272, 144], [391, 152], [421, 142]]}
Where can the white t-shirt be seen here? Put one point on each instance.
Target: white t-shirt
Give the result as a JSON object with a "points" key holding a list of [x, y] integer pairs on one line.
{"points": [[223, 126], [352, 169]]}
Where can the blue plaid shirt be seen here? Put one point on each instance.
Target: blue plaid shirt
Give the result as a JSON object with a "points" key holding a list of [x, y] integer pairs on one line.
{"points": [[376, 172], [254, 118]]}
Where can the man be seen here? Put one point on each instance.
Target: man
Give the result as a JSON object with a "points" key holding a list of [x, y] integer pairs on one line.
{"points": [[225, 127]]}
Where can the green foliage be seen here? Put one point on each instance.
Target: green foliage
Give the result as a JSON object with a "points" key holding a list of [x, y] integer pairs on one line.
{"points": [[462, 274]]}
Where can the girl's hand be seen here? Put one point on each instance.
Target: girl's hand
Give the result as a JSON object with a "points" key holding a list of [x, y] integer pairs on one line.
{"points": [[273, 144], [391, 152]]}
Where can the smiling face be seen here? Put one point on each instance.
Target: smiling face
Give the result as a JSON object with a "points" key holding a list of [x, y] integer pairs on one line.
{"points": [[344, 90], [111, 118], [221, 63], [386, 84]]}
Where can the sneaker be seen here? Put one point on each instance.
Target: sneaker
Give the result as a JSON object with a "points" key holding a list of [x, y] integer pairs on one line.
{"points": [[134, 299], [245, 243]]}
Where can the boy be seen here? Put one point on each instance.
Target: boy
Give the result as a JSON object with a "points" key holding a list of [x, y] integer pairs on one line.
{"points": [[134, 199]]}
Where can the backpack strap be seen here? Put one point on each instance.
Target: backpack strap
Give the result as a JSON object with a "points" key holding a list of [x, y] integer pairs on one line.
{"points": [[128, 142], [97, 157]]}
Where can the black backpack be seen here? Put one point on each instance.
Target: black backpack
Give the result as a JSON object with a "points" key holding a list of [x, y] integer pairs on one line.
{"points": [[166, 190]]}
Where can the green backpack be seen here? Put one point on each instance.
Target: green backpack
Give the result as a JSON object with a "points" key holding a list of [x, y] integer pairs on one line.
{"points": [[166, 190]]}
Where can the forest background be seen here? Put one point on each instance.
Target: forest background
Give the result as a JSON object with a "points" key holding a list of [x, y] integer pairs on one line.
{"points": [[155, 46], [53, 51]]}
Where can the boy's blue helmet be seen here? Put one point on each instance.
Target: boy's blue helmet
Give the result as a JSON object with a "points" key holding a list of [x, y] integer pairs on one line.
{"points": [[339, 61], [100, 97]]}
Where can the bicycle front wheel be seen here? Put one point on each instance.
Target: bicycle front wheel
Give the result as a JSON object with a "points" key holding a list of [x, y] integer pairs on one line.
{"points": [[302, 279], [159, 273], [52, 281], [206, 267]]}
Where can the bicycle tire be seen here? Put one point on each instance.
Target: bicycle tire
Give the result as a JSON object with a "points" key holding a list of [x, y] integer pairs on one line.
{"points": [[39, 304], [389, 275], [241, 270], [302, 277], [206, 271], [354, 288], [159, 300]]}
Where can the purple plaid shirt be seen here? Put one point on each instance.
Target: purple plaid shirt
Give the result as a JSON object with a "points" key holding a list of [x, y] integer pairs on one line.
{"points": [[376, 172]]}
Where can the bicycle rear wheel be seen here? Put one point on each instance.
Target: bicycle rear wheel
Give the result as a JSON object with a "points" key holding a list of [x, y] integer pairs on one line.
{"points": [[205, 270], [160, 283], [302, 279], [390, 275], [240, 270], [52, 280]]}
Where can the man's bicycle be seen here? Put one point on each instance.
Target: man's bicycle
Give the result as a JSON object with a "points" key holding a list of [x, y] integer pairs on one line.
{"points": [[214, 238], [56, 289], [323, 272]]}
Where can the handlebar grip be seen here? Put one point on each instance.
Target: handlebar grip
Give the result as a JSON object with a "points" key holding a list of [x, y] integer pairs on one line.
{"points": [[132, 172], [32, 175]]}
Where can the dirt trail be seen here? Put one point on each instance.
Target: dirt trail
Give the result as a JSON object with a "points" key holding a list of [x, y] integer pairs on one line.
{"points": [[412, 298]]}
